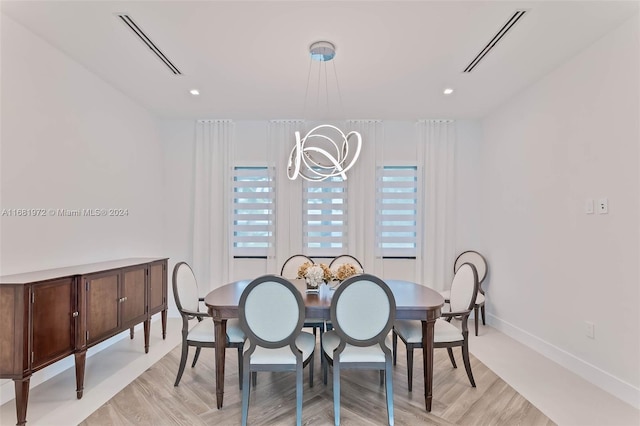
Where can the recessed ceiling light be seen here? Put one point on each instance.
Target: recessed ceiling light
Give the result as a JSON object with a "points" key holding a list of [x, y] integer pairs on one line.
{"points": [[448, 91], [194, 92]]}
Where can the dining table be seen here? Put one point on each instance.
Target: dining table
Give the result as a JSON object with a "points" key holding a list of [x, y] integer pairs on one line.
{"points": [[413, 301]]}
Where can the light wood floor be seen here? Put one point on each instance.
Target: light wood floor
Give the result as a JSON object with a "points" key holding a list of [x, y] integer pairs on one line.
{"points": [[153, 400]]}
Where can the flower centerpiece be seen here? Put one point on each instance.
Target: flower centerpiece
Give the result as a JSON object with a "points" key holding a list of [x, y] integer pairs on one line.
{"points": [[345, 271], [314, 275]]}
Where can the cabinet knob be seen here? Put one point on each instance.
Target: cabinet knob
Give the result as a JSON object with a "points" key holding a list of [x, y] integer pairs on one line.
{"points": [[75, 314]]}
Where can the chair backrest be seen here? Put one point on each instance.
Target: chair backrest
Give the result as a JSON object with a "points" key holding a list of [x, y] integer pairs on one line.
{"points": [[363, 310], [345, 258], [271, 312], [476, 259], [464, 288], [290, 266], [185, 288]]}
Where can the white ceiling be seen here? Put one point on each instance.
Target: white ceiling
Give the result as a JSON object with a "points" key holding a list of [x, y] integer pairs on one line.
{"points": [[250, 59]]}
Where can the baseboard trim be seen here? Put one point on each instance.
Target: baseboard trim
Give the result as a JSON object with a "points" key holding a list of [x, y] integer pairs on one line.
{"points": [[609, 383]]}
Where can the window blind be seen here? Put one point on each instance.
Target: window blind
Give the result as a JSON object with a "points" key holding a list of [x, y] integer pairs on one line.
{"points": [[397, 210], [253, 211]]}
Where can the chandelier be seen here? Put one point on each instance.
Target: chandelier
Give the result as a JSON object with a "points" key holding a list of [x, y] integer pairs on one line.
{"points": [[324, 151]]}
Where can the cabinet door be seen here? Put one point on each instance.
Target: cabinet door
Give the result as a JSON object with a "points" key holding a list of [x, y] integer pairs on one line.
{"points": [[102, 298], [133, 296], [53, 321], [157, 287]]}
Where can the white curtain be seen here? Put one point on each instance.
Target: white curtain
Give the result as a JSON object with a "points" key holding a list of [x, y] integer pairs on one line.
{"points": [[211, 230], [288, 206], [361, 181], [436, 238]]}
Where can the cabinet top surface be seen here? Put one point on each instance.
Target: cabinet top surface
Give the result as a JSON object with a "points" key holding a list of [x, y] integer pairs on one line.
{"points": [[49, 274]]}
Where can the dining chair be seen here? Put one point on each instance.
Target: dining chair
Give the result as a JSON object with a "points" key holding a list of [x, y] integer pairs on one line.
{"points": [[345, 258], [271, 312], [185, 293], [362, 311], [289, 271], [477, 260], [464, 289]]}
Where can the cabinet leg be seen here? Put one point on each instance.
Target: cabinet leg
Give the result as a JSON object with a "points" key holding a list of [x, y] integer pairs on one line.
{"points": [[22, 397], [131, 333], [80, 362], [164, 324], [146, 336]]}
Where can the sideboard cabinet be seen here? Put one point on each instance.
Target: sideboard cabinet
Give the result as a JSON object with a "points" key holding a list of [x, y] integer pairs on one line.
{"points": [[48, 315]]}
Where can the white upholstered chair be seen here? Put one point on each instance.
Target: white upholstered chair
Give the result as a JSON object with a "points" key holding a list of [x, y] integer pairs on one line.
{"points": [[271, 313], [363, 310], [477, 260], [185, 293], [464, 289]]}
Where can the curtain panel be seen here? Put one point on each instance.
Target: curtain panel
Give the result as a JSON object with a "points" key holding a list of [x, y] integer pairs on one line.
{"points": [[288, 205], [361, 181], [436, 159], [211, 207]]}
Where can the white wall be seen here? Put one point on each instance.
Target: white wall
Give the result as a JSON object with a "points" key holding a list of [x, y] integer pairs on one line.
{"points": [[71, 141], [572, 136]]}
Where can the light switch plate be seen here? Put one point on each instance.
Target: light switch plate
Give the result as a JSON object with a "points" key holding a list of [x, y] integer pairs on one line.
{"points": [[588, 206]]}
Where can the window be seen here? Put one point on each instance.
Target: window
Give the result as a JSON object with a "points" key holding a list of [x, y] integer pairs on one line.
{"points": [[325, 217], [397, 210], [253, 211]]}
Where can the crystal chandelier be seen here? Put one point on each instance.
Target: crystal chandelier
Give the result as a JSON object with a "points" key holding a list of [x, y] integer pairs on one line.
{"points": [[324, 151]]}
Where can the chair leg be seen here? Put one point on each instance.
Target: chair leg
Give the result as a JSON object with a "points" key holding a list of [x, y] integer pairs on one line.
{"points": [[196, 356], [311, 367], [336, 393], [467, 364], [410, 367], [484, 322], [183, 362], [240, 372], [453, 360], [381, 377], [245, 393], [325, 369], [394, 340], [475, 317], [389, 391], [299, 394], [254, 378]]}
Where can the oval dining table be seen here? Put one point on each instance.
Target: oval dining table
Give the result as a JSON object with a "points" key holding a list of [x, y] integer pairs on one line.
{"points": [[413, 301]]}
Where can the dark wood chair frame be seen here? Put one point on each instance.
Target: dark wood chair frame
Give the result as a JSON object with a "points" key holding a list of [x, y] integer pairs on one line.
{"points": [[189, 315], [254, 340], [353, 260], [464, 343], [480, 306], [384, 367]]}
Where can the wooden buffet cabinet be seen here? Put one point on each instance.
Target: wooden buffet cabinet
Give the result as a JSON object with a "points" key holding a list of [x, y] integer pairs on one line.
{"points": [[48, 315]]}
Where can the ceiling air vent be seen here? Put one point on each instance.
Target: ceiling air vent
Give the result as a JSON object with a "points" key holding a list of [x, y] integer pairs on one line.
{"points": [[150, 44], [496, 38]]}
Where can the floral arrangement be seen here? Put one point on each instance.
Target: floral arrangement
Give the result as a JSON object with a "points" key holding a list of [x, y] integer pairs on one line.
{"points": [[302, 270], [315, 274], [345, 271]]}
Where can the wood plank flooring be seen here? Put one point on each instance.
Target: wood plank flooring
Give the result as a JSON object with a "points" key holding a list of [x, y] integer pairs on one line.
{"points": [[153, 400]]}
